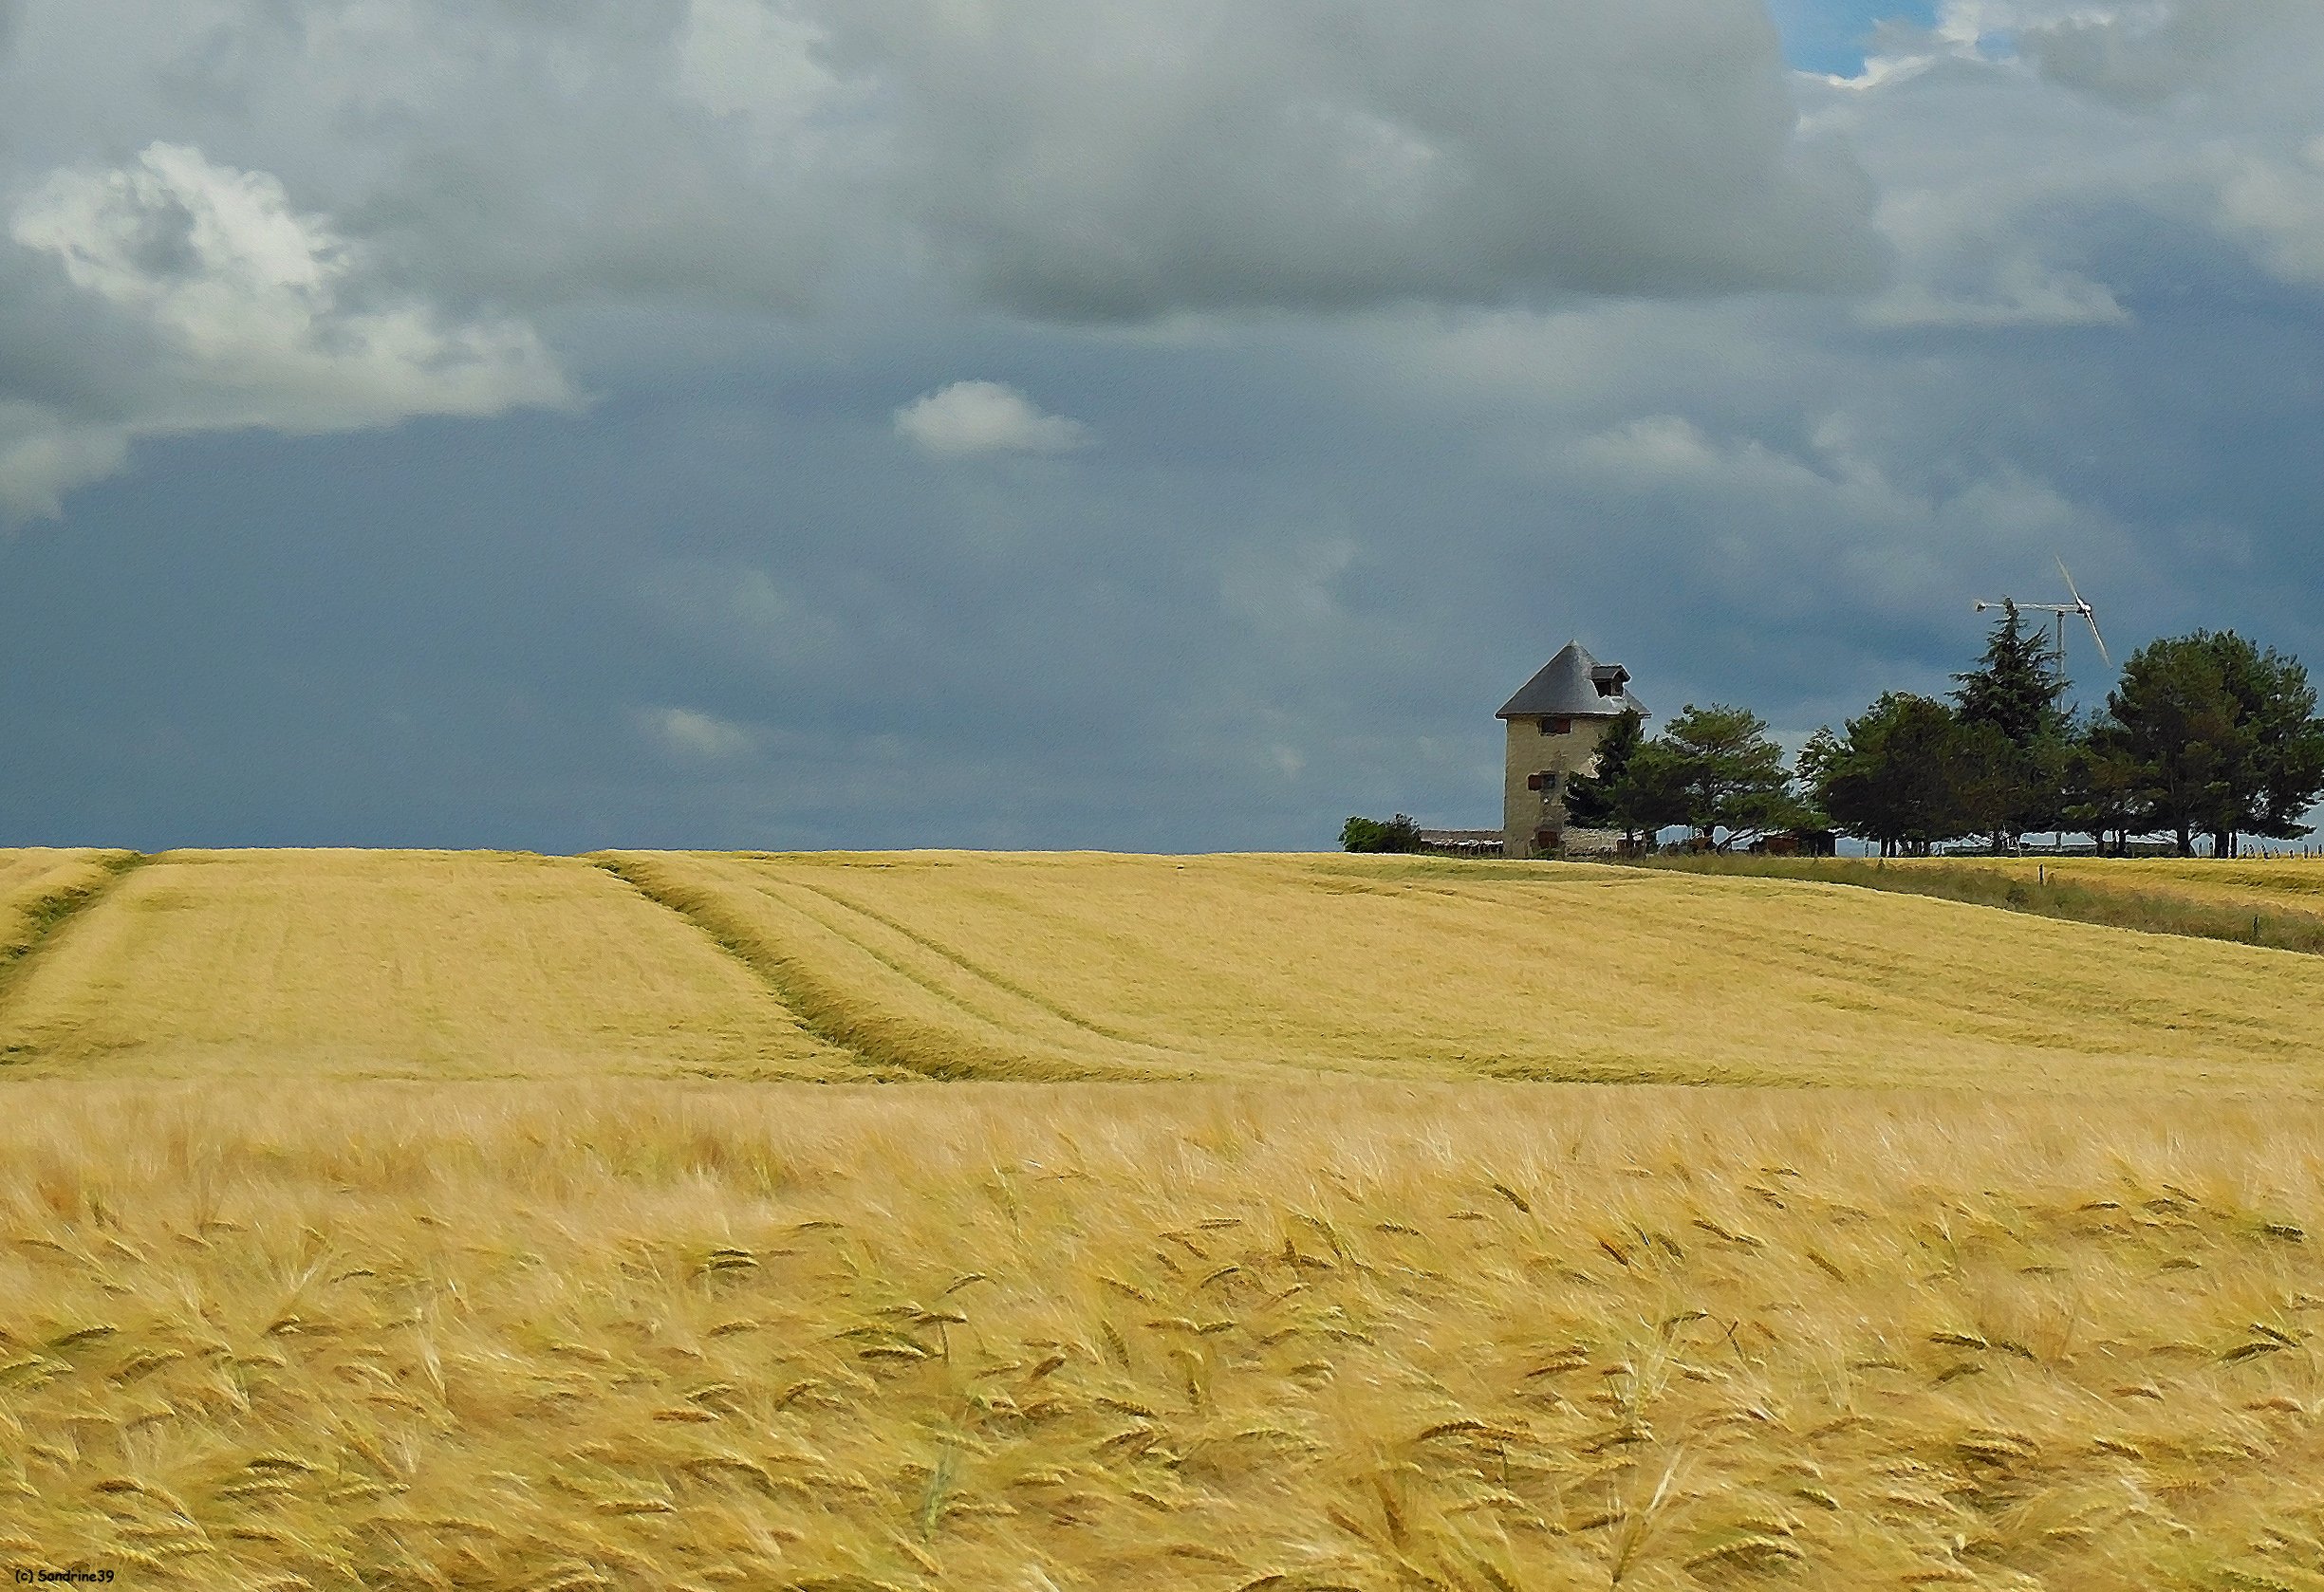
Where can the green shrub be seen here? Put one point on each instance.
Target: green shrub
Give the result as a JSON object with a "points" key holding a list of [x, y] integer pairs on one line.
{"points": [[1371, 833]]}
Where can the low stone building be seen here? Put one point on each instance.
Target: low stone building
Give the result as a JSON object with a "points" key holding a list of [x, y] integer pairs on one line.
{"points": [[1555, 722], [1459, 843]]}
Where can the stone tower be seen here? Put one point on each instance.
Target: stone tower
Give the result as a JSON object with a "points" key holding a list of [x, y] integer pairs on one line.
{"points": [[1555, 721]]}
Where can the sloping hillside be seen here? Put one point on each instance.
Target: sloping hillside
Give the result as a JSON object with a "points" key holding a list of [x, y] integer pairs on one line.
{"points": [[963, 965], [381, 963], [40, 886], [1061, 967]]}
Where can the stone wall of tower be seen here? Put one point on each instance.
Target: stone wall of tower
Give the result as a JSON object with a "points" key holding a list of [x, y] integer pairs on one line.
{"points": [[1525, 813]]}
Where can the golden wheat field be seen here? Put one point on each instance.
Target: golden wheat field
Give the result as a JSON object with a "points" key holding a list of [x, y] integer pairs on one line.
{"points": [[356, 963], [954, 965], [1089, 965], [38, 882], [485, 1220], [1361, 1336]]}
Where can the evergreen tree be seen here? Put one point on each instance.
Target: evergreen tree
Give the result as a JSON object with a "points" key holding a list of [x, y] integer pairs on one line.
{"points": [[1715, 768], [2176, 723], [1592, 798], [2102, 789], [2017, 685], [1651, 795], [1994, 783], [2015, 732], [2267, 790], [1893, 779], [1811, 774], [1633, 786]]}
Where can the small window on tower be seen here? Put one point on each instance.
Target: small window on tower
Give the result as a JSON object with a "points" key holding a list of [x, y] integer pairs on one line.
{"points": [[1557, 727]]}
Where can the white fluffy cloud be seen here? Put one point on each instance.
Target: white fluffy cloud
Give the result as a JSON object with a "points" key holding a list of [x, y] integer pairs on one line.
{"points": [[692, 736], [1059, 159], [2277, 206], [969, 418], [1997, 135], [247, 313]]}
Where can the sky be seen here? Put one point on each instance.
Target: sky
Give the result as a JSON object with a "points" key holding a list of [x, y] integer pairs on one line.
{"points": [[1141, 424]]}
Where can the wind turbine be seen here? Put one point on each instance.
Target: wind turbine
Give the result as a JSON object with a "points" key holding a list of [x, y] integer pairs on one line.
{"points": [[2089, 614], [2061, 609]]}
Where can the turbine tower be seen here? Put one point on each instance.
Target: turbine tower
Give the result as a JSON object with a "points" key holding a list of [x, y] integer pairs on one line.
{"points": [[2089, 614]]}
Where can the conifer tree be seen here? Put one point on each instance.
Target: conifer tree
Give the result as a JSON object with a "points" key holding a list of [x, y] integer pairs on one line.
{"points": [[2269, 791], [2013, 725], [1895, 777], [1716, 768], [2221, 736], [2016, 686], [1598, 800], [2174, 719]]}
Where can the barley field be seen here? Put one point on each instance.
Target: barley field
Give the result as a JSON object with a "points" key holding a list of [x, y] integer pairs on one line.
{"points": [[391, 963], [1074, 1224], [1270, 1337], [1098, 966], [38, 887], [1026, 968]]}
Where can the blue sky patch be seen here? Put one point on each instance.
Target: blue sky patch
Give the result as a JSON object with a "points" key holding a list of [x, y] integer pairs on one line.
{"points": [[1829, 35]]}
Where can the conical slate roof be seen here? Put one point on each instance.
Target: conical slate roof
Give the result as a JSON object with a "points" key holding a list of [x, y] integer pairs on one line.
{"points": [[1568, 688]]}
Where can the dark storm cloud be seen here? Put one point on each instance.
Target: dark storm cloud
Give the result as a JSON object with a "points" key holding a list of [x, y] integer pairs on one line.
{"points": [[1066, 158], [1121, 424], [1122, 159], [240, 179]]}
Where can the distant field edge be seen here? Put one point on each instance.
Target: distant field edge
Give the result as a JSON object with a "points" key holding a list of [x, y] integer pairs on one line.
{"points": [[2070, 899]]}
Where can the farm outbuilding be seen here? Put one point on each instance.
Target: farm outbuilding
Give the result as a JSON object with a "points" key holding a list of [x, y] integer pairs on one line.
{"points": [[1459, 843]]}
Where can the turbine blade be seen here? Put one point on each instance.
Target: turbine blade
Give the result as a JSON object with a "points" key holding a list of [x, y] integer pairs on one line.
{"points": [[2096, 637], [2070, 585]]}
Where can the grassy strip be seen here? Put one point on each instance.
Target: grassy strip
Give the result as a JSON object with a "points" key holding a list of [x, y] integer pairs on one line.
{"points": [[2145, 910], [890, 1048], [790, 951], [819, 1008], [46, 915]]}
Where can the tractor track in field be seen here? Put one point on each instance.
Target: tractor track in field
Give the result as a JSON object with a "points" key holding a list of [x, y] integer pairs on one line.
{"points": [[802, 995], [49, 916], [809, 998], [984, 975]]}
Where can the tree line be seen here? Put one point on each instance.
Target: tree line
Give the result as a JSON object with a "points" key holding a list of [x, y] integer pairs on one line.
{"points": [[2205, 735]]}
